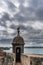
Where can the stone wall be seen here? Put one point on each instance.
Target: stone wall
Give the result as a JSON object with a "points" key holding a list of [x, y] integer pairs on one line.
{"points": [[36, 61], [25, 60], [32, 59], [9, 59]]}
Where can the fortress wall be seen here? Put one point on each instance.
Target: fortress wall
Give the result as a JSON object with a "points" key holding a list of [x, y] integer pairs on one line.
{"points": [[36, 61], [25, 60], [32, 59]]}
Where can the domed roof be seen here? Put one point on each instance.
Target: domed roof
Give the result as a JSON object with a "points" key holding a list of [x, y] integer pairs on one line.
{"points": [[18, 40]]}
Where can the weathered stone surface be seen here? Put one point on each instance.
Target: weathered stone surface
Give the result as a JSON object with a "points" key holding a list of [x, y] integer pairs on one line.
{"points": [[18, 64], [9, 59], [25, 60]]}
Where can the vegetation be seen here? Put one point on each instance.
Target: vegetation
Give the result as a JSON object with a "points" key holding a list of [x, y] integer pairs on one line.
{"points": [[5, 48]]}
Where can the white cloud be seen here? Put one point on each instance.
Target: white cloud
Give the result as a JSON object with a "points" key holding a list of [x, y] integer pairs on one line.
{"points": [[2, 28], [15, 2], [37, 25], [3, 7], [26, 3], [1, 10], [9, 30], [15, 22], [8, 23]]}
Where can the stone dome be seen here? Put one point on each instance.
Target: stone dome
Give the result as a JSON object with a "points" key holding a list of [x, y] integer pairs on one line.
{"points": [[18, 40]]}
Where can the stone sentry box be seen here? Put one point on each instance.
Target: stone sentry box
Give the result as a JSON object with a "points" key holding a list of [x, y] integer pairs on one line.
{"points": [[18, 45], [18, 42]]}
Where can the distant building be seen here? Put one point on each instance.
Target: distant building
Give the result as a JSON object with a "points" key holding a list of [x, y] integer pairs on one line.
{"points": [[18, 46]]}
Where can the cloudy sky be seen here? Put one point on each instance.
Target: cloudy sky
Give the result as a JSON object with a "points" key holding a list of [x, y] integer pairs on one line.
{"points": [[28, 14]]}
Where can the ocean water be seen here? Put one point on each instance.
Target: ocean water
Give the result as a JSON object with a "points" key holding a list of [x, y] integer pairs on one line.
{"points": [[33, 50], [26, 50], [29, 50]]}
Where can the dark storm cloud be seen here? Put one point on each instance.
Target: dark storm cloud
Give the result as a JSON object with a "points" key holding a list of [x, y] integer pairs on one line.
{"points": [[13, 26], [32, 12], [21, 1], [25, 14], [34, 3], [20, 18], [37, 6], [39, 14], [2, 23], [11, 6], [28, 12], [33, 35], [5, 17], [4, 32], [34, 8]]}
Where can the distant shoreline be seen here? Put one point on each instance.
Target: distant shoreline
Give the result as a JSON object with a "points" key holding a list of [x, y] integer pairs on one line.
{"points": [[33, 47]]}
